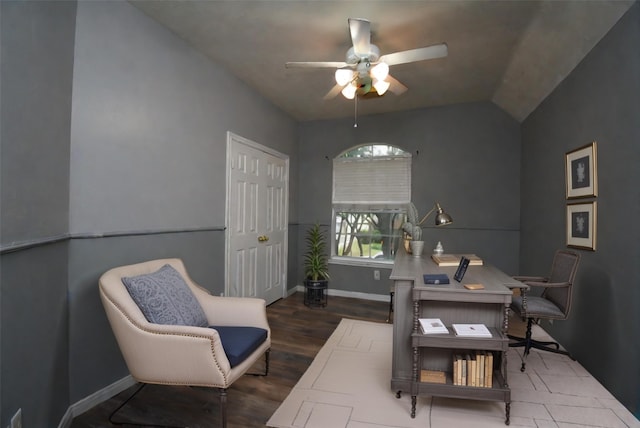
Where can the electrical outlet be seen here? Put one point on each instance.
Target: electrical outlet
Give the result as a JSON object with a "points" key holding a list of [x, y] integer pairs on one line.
{"points": [[376, 275], [16, 420], [222, 294]]}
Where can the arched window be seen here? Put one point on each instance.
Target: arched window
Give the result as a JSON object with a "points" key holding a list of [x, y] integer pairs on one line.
{"points": [[371, 190]]}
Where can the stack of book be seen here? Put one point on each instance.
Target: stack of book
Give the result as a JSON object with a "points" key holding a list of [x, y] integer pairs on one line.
{"points": [[473, 369], [432, 376], [454, 259], [436, 278]]}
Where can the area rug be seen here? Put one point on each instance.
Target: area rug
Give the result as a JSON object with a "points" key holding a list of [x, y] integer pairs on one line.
{"points": [[348, 385]]}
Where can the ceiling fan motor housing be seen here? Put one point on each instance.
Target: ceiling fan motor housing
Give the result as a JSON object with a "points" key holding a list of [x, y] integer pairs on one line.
{"points": [[371, 56]]}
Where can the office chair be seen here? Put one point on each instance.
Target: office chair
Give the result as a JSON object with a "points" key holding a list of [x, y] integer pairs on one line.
{"points": [[553, 304], [171, 331]]}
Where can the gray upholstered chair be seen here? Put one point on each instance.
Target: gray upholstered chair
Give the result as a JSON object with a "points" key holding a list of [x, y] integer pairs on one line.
{"points": [[553, 304], [173, 332]]}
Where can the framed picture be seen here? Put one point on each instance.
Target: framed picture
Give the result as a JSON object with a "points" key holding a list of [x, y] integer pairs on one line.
{"points": [[581, 172], [581, 225]]}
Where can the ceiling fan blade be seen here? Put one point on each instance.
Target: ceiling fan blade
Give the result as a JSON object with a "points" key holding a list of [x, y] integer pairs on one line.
{"points": [[395, 86], [413, 55], [360, 36], [319, 64], [333, 92]]}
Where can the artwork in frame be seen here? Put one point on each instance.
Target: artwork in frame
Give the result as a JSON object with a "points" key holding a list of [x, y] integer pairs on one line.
{"points": [[581, 225], [581, 172]]}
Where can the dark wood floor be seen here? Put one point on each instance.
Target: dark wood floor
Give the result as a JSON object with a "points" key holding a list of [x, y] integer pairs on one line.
{"points": [[298, 333]]}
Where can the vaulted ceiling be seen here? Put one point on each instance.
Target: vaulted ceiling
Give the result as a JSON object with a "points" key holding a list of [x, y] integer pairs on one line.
{"points": [[513, 53]]}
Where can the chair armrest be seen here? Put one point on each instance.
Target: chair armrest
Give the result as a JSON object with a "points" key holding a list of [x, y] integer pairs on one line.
{"points": [[540, 285], [531, 278], [550, 284], [234, 311]]}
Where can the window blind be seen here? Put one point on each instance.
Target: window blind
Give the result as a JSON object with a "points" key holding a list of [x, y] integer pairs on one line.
{"points": [[372, 181]]}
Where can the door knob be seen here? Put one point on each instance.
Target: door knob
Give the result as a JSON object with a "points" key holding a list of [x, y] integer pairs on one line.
{"points": [[263, 238]]}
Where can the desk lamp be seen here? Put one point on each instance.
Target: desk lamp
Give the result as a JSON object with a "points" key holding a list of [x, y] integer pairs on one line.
{"points": [[442, 218]]}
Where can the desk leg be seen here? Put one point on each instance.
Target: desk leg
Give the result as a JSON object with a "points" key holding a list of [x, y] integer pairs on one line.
{"points": [[413, 406]]}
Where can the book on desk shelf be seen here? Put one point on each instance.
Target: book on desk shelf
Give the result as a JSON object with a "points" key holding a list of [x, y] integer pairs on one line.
{"points": [[473, 369], [471, 330], [432, 326], [436, 278], [454, 259], [433, 376]]}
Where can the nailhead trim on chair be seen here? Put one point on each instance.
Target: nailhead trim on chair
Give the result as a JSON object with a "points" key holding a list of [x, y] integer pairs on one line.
{"points": [[217, 364]]}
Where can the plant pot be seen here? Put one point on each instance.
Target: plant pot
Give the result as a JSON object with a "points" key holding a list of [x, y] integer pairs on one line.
{"points": [[315, 292], [416, 248]]}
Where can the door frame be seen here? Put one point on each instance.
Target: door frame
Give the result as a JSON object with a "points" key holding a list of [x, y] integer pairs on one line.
{"points": [[237, 139]]}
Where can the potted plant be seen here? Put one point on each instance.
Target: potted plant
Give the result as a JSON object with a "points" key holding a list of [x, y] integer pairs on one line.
{"points": [[413, 227], [413, 231], [316, 267]]}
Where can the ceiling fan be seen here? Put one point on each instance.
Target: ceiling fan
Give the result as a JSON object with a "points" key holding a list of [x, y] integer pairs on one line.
{"points": [[364, 71]]}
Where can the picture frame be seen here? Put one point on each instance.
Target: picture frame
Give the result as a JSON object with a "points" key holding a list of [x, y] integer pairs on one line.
{"points": [[581, 172], [581, 225]]}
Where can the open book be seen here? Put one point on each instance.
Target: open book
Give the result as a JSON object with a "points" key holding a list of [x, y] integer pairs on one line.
{"points": [[432, 326], [471, 330]]}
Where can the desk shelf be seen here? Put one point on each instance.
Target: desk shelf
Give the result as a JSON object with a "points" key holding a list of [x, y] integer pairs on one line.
{"points": [[498, 392], [445, 345], [414, 351], [498, 341]]}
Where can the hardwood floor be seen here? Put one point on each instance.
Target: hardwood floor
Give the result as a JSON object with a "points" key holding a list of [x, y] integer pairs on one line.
{"points": [[297, 333]]}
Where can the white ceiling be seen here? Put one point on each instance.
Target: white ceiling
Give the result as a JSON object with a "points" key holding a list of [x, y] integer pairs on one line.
{"points": [[513, 53]]}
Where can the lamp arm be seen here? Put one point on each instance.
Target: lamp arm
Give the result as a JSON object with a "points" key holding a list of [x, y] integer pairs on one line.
{"points": [[427, 215]]}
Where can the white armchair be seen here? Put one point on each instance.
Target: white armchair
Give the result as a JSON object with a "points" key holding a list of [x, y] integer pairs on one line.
{"points": [[181, 354]]}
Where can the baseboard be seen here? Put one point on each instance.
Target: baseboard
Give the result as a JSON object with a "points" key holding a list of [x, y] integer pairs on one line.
{"points": [[94, 399], [117, 387], [344, 293]]}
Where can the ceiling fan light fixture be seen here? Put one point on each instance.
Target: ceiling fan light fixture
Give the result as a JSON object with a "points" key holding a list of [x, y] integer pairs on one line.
{"points": [[343, 76], [380, 71], [364, 86], [381, 86], [349, 91]]}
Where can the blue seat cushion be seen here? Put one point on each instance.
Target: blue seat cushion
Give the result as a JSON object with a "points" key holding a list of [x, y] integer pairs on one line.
{"points": [[240, 342]]}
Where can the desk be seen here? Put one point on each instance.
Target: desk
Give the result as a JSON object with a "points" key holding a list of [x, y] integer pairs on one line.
{"points": [[452, 303]]}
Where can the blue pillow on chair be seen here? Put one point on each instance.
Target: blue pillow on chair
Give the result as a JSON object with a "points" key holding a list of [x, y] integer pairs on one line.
{"points": [[240, 342], [165, 298]]}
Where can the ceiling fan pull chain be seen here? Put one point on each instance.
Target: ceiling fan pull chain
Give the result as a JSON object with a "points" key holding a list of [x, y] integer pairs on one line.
{"points": [[355, 114]]}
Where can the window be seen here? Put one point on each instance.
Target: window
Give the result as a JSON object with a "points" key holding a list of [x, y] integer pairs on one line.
{"points": [[371, 190]]}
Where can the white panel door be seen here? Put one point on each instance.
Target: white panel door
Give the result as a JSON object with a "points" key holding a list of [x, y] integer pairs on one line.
{"points": [[257, 207]]}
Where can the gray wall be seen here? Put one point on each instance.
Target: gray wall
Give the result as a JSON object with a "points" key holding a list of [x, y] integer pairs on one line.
{"points": [[127, 166], [599, 101], [88, 181], [36, 79], [463, 156]]}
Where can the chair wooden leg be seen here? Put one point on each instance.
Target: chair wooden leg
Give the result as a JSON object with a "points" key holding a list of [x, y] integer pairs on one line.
{"points": [[266, 365], [223, 406]]}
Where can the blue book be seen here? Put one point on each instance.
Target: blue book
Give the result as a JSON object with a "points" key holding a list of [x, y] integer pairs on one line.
{"points": [[436, 278]]}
